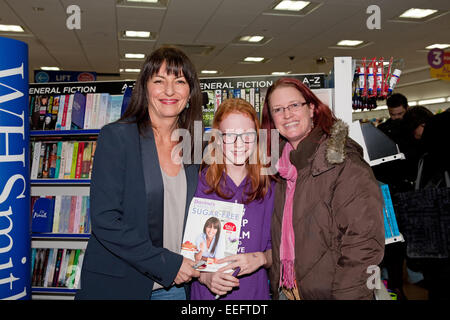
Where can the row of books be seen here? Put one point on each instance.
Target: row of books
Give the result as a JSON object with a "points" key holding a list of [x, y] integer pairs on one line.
{"points": [[254, 96], [60, 214], [74, 111], [53, 267], [62, 159]]}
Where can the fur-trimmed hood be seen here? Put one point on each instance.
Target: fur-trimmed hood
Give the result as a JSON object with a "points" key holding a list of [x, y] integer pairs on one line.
{"points": [[322, 150]]}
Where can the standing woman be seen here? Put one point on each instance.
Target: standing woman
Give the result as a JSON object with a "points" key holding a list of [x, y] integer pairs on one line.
{"points": [[139, 194], [327, 225]]}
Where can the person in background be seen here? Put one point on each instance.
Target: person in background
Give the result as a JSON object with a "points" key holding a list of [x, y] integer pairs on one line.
{"points": [[139, 194], [234, 175], [397, 105], [327, 224]]}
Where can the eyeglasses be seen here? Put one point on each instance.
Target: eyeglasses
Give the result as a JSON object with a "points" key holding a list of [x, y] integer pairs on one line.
{"points": [[277, 110], [246, 137]]}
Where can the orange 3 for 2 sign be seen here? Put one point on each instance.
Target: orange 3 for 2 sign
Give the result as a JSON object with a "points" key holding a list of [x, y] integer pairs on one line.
{"points": [[439, 61]]}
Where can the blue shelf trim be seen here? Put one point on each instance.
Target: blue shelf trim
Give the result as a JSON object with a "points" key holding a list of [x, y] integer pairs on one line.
{"points": [[61, 235], [64, 132], [60, 181], [53, 290]]}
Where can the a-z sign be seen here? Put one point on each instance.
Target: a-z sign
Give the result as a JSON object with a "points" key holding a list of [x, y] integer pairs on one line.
{"points": [[439, 61]]}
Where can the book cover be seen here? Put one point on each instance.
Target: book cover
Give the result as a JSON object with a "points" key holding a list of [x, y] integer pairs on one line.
{"points": [[45, 161], [52, 160], [33, 260], [63, 269], [116, 107], [55, 111], [62, 102], [35, 264], [35, 161], [70, 262], [65, 214], [41, 276], [48, 114], [94, 146], [88, 110], [85, 163], [49, 268], [103, 110], [73, 206], [43, 103], [76, 284], [95, 111], [69, 113], [35, 114], [212, 231], [41, 160], [59, 258], [73, 271], [65, 110], [87, 219], [78, 109], [62, 164], [42, 216], [77, 217]]}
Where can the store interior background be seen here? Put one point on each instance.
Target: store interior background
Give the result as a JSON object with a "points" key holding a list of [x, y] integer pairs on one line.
{"points": [[209, 32]]}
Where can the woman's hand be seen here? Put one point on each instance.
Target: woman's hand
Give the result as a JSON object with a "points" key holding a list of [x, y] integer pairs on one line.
{"points": [[186, 272], [218, 282], [248, 262]]}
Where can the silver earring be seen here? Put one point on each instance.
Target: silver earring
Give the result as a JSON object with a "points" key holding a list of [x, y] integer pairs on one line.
{"points": [[187, 105]]}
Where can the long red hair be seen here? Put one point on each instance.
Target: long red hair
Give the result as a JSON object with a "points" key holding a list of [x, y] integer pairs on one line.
{"points": [[322, 117], [260, 184]]}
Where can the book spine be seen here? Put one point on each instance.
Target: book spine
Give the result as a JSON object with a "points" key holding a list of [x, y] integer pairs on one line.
{"points": [[35, 163], [94, 146], [76, 222], [73, 204], [45, 162], [62, 101], [85, 163], [52, 160], [64, 115], [74, 160], [69, 113], [76, 284], [69, 267], [56, 215], [79, 160], [74, 268], [48, 268], [59, 280], [88, 111], [58, 159], [41, 160]]}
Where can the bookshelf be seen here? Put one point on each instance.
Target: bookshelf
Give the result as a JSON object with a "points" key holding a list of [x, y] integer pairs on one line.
{"points": [[62, 241]]}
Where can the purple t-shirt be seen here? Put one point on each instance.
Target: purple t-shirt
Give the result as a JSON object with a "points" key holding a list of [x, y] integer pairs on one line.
{"points": [[255, 237]]}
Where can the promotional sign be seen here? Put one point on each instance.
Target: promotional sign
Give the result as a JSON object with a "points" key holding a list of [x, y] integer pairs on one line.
{"points": [[41, 76], [14, 171], [439, 61]]}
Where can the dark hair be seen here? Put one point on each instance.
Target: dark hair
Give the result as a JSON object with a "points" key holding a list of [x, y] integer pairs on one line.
{"points": [[323, 117], [397, 100], [177, 63], [415, 116], [213, 222]]}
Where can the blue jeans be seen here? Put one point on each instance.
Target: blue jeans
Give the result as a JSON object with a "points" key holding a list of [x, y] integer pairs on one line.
{"points": [[173, 293]]}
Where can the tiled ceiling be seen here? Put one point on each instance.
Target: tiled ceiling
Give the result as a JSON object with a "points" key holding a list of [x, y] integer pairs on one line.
{"points": [[98, 47]]}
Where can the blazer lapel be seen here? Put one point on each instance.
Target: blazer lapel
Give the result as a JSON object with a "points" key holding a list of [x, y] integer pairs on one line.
{"points": [[154, 187]]}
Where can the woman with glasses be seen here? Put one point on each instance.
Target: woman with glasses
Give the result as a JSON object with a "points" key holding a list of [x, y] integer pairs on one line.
{"points": [[327, 224], [233, 175]]}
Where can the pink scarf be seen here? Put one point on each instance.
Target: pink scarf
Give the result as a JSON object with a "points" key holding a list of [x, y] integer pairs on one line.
{"points": [[287, 253]]}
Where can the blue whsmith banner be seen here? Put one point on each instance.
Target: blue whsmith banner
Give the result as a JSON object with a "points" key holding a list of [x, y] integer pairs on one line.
{"points": [[14, 171]]}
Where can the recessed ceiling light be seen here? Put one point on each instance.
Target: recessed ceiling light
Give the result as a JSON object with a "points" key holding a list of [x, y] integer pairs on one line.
{"points": [[11, 28], [130, 70], [291, 5], [144, 1], [438, 46], [280, 73], [251, 38], [415, 13], [50, 68], [136, 34], [134, 55], [254, 59], [432, 101], [349, 43], [209, 71]]}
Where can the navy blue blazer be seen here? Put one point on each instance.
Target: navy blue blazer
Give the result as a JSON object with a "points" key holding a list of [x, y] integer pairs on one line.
{"points": [[124, 255]]}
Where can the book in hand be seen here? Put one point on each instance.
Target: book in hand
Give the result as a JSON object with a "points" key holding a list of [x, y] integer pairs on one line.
{"points": [[212, 232]]}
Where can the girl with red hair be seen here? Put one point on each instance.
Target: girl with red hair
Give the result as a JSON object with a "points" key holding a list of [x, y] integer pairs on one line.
{"points": [[232, 173]]}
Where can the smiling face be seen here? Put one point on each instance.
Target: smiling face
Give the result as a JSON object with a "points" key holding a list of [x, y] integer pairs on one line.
{"points": [[293, 123], [238, 152], [168, 94], [211, 232]]}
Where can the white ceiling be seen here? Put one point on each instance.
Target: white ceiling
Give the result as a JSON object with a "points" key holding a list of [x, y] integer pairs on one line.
{"points": [[98, 47]]}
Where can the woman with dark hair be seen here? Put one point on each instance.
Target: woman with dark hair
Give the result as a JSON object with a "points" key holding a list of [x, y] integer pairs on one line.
{"points": [[140, 194], [208, 240], [327, 224]]}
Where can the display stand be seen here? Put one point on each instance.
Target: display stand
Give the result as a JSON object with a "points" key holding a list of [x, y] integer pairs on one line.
{"points": [[377, 147]]}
